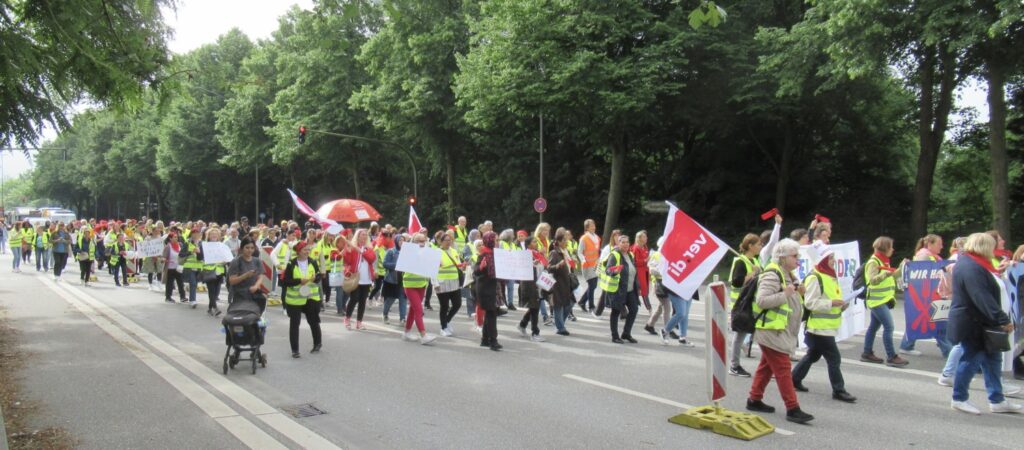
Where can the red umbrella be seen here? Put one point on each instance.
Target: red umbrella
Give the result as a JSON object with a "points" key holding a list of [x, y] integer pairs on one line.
{"points": [[348, 211]]}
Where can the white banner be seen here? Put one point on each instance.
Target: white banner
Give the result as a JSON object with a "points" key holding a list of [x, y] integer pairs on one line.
{"points": [[513, 264], [847, 261], [216, 253], [422, 261], [150, 248]]}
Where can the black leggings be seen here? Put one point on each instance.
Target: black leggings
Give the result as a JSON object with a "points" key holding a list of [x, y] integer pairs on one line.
{"points": [[312, 311], [213, 290], [450, 304], [378, 284], [531, 318], [86, 268], [357, 296], [173, 276], [59, 261], [426, 297], [325, 287], [490, 326]]}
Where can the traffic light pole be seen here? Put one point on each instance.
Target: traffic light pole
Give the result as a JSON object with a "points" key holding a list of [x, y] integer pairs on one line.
{"points": [[379, 141]]}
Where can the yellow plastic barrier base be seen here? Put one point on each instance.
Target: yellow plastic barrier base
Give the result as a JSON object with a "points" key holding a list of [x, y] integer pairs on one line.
{"points": [[273, 302], [201, 288], [725, 422], [133, 279], [93, 279]]}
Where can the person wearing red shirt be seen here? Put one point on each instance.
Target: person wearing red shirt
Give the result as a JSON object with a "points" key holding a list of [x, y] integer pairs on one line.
{"points": [[359, 259]]}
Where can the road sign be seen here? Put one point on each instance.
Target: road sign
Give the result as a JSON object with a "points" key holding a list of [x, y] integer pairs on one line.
{"points": [[540, 205]]}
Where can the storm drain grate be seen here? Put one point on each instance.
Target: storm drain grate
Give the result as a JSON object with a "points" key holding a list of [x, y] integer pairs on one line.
{"points": [[303, 410]]}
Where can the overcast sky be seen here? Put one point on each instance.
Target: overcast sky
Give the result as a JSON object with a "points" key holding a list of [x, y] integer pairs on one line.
{"points": [[198, 22]]}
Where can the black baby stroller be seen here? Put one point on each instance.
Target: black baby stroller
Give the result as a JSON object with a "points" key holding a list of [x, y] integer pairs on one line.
{"points": [[244, 330]]}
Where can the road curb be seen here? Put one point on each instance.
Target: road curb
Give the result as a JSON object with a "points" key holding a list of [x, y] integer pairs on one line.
{"points": [[3, 431]]}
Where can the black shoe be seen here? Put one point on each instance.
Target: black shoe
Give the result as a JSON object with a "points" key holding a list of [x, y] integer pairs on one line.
{"points": [[485, 343], [800, 387], [168, 300], [617, 340], [296, 355], [650, 330], [797, 416], [844, 397], [496, 346], [673, 335], [629, 339], [316, 349], [429, 308], [512, 308], [739, 371], [562, 332], [759, 406]]}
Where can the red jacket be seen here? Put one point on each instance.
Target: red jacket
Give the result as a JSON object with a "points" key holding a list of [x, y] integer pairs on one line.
{"points": [[351, 258]]}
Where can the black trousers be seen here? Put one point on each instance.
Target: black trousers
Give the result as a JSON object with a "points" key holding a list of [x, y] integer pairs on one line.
{"points": [[531, 318], [326, 288], [173, 276], [213, 291], [450, 304], [426, 297], [312, 311], [86, 268], [490, 334], [59, 261], [631, 307], [122, 268], [378, 284], [357, 298], [818, 346]]}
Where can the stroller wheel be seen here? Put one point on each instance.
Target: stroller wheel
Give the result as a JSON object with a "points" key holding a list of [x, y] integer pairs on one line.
{"points": [[255, 361], [263, 360], [225, 366]]}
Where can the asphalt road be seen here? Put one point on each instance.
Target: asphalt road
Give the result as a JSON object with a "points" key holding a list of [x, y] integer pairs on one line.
{"points": [[119, 368]]}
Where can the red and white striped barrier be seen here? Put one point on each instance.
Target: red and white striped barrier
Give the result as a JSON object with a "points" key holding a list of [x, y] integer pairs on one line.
{"points": [[268, 269], [714, 297]]}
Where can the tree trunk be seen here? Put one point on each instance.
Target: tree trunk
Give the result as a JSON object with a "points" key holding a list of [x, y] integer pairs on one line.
{"points": [[449, 167], [291, 174], [933, 117], [784, 166], [997, 148], [611, 216], [355, 181]]}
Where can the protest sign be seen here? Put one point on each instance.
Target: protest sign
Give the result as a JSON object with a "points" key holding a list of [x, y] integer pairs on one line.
{"points": [[150, 248], [922, 280], [216, 253], [513, 264], [423, 261], [847, 257], [1014, 281]]}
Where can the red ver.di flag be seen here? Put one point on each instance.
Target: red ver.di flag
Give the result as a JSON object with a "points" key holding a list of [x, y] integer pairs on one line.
{"points": [[689, 254]]}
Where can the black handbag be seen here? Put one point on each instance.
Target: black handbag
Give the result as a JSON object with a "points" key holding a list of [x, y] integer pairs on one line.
{"points": [[997, 340]]}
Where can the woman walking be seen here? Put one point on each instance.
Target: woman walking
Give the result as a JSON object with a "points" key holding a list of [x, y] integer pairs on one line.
{"points": [[978, 294], [881, 278], [245, 274], [86, 254], [529, 295], [745, 268], [619, 283], [213, 282], [590, 249], [14, 241], [562, 299], [153, 265], [172, 269], [61, 241], [449, 278], [928, 249], [487, 291], [415, 286], [640, 254], [392, 288], [359, 260], [302, 297]]}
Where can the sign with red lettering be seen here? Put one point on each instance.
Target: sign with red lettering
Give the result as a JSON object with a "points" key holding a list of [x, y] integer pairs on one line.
{"points": [[689, 254]]}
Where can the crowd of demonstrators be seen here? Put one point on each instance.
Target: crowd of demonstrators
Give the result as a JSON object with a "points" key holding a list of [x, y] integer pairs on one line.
{"points": [[307, 266]]}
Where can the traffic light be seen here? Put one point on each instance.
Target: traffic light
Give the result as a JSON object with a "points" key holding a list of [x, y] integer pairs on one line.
{"points": [[412, 201], [302, 134]]}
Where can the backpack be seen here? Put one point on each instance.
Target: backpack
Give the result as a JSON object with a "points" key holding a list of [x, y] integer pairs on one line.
{"points": [[742, 315], [859, 283]]}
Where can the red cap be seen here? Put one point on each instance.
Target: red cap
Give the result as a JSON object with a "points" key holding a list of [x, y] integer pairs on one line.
{"points": [[522, 233], [298, 247], [821, 219]]}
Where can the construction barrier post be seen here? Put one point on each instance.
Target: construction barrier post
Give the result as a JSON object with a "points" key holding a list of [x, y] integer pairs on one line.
{"points": [[720, 420]]}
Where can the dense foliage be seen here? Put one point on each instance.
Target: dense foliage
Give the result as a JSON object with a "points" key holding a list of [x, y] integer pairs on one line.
{"points": [[832, 107]]}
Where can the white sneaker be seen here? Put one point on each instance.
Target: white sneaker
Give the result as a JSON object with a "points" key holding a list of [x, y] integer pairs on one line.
{"points": [[478, 329], [685, 343], [537, 338], [445, 333], [427, 339], [965, 406], [1005, 407], [910, 352], [408, 336], [664, 336], [522, 331], [945, 381]]}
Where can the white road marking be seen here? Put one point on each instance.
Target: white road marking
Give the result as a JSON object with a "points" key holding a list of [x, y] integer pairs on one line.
{"points": [[246, 432], [301, 435], [644, 396]]}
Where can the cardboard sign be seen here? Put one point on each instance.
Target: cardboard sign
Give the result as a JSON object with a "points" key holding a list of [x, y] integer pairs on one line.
{"points": [[513, 265], [422, 261]]}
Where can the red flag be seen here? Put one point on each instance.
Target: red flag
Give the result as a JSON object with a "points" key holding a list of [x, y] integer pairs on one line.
{"points": [[414, 221], [689, 254], [331, 226], [769, 214]]}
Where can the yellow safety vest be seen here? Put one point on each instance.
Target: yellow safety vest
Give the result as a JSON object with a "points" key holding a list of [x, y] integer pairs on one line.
{"points": [[460, 237], [192, 261], [378, 265], [609, 283], [655, 259], [92, 247], [218, 267], [879, 294], [115, 252], [775, 318], [449, 266], [283, 254], [834, 317], [16, 238], [292, 296], [734, 293]]}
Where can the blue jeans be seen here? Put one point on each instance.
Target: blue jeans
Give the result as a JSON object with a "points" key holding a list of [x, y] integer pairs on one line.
{"points": [[192, 278], [340, 298], [544, 309], [955, 354], [16, 252], [510, 289], [681, 315], [42, 259], [991, 364], [560, 313], [402, 304], [940, 341], [880, 317], [467, 296]]}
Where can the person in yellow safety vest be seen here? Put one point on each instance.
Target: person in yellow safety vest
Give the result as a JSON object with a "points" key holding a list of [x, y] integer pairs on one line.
{"points": [[823, 300], [28, 243], [777, 309], [193, 265], [461, 234], [602, 259], [618, 280], [323, 257], [745, 267], [213, 275], [118, 251], [380, 247], [302, 296], [42, 246], [14, 241], [449, 283], [86, 254], [282, 253], [507, 241], [336, 265], [880, 278], [415, 287]]}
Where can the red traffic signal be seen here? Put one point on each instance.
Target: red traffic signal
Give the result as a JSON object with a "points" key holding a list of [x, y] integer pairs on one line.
{"points": [[412, 200], [302, 134]]}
